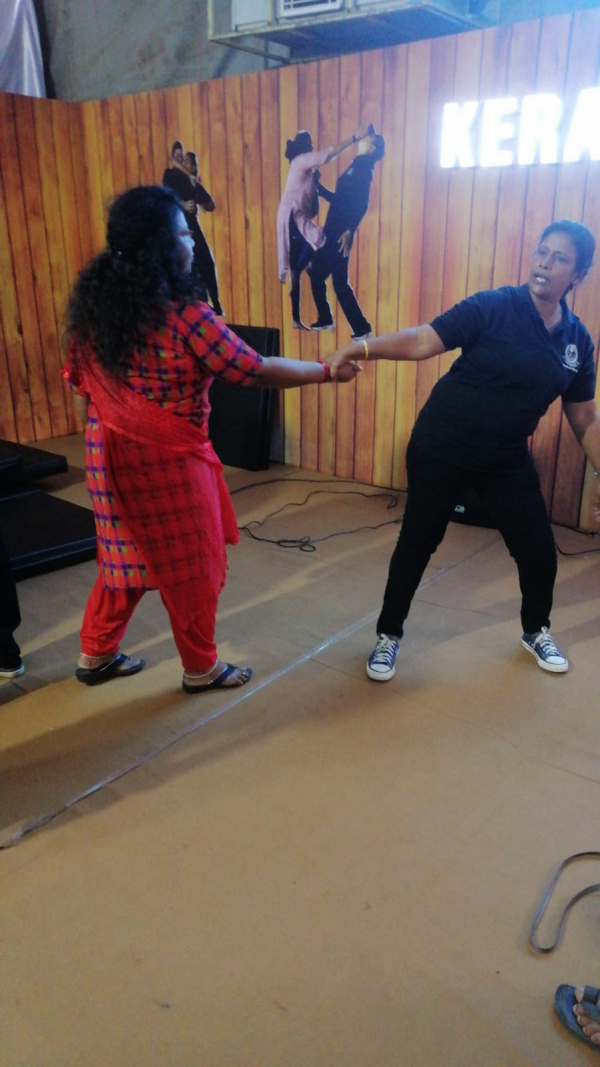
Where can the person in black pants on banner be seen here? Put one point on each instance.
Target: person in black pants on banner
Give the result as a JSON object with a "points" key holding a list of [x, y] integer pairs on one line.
{"points": [[522, 347], [347, 208], [204, 263], [182, 178], [11, 664]]}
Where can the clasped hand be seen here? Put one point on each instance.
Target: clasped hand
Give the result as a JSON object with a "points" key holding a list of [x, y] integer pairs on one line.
{"points": [[344, 358], [345, 372]]}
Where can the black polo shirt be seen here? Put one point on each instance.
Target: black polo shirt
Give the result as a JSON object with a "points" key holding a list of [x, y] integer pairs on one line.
{"points": [[510, 370]]}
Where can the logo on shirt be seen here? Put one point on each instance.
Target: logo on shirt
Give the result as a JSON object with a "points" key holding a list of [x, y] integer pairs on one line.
{"points": [[571, 359]]}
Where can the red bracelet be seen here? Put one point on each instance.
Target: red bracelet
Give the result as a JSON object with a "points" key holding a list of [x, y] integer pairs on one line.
{"points": [[327, 370]]}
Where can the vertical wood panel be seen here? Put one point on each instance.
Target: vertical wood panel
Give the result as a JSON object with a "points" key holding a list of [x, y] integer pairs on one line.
{"points": [[161, 147], [99, 159], [271, 192], [208, 174], [143, 128], [69, 223], [486, 185], [94, 186], [185, 117], [254, 214], [288, 125], [386, 436], [328, 133], [437, 184], [15, 113], [52, 283], [411, 247], [130, 142], [15, 405], [308, 119], [237, 199], [350, 99], [367, 254], [218, 154], [114, 111]]}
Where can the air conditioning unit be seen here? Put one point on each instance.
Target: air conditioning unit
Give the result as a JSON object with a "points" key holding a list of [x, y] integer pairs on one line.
{"points": [[249, 14], [289, 9]]}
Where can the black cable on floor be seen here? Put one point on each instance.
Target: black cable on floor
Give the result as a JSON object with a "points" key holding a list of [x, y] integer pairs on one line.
{"points": [[307, 543]]}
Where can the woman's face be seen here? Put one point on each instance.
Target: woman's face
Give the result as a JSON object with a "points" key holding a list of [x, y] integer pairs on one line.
{"points": [[185, 241], [553, 268]]}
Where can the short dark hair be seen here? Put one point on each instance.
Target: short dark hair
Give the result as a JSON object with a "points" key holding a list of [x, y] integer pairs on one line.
{"points": [[583, 241], [193, 158], [176, 145], [301, 143]]}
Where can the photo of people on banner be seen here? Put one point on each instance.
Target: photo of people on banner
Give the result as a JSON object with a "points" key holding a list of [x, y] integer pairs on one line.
{"points": [[183, 179], [323, 251]]}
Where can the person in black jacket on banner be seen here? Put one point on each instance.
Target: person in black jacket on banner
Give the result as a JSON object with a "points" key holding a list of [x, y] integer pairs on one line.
{"points": [[347, 208]]}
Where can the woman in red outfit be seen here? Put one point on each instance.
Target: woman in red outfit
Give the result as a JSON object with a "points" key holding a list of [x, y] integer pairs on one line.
{"points": [[142, 353]]}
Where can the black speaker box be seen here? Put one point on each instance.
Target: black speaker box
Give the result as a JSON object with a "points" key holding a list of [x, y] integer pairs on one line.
{"points": [[241, 417], [41, 532]]}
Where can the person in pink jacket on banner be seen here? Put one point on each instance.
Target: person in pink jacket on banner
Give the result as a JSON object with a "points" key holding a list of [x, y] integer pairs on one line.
{"points": [[298, 236]]}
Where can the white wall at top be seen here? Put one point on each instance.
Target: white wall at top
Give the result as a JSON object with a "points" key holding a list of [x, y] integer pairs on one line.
{"points": [[101, 48], [21, 69]]}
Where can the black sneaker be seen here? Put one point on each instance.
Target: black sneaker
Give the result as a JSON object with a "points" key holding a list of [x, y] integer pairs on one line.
{"points": [[322, 325], [362, 336], [11, 667]]}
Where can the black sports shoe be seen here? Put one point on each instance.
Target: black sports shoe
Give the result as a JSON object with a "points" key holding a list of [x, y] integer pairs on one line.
{"points": [[11, 666], [322, 325]]}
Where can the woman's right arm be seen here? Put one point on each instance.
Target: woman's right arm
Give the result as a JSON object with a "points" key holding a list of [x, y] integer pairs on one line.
{"points": [[287, 373]]}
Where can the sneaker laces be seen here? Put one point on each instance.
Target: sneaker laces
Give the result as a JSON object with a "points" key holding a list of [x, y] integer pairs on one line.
{"points": [[546, 644], [385, 652]]}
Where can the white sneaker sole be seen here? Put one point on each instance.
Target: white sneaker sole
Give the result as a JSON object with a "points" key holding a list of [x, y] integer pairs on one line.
{"points": [[554, 668], [13, 674], [378, 676]]}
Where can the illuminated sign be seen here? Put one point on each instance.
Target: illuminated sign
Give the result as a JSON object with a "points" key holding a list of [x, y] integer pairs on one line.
{"points": [[530, 129]]}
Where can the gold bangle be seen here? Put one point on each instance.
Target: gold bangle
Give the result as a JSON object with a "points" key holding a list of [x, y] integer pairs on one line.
{"points": [[364, 341]]}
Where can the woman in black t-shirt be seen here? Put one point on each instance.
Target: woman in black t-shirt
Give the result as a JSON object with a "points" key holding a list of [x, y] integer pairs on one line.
{"points": [[522, 348]]}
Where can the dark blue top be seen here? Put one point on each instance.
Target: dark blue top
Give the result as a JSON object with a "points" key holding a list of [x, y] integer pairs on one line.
{"points": [[511, 368]]}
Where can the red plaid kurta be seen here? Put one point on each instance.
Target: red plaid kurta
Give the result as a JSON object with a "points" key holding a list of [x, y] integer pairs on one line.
{"points": [[163, 513]]}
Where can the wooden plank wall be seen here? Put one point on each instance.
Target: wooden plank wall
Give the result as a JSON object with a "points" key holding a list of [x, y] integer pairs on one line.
{"points": [[430, 237]]}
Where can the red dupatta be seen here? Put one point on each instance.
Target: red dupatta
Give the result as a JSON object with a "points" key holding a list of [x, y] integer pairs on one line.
{"points": [[168, 485]]}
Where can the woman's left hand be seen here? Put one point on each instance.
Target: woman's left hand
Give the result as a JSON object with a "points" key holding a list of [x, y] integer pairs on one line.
{"points": [[346, 373]]}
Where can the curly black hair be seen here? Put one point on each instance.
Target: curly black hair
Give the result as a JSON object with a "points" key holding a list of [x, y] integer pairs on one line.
{"points": [[129, 288]]}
